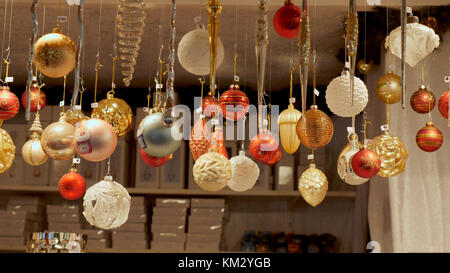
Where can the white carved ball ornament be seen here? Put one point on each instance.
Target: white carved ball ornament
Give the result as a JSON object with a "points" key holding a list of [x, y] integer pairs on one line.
{"points": [[245, 173], [212, 171]]}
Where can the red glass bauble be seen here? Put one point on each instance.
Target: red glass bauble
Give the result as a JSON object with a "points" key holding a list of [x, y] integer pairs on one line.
{"points": [[154, 161], [234, 103], [9, 103], [72, 185], [429, 138], [423, 100], [35, 95], [443, 104], [366, 163], [265, 149], [286, 20], [200, 142], [210, 105]]}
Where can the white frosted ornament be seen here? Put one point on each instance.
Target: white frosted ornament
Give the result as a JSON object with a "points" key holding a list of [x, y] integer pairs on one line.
{"points": [[344, 164], [193, 51], [338, 95], [313, 185], [245, 173], [106, 204], [212, 171]]}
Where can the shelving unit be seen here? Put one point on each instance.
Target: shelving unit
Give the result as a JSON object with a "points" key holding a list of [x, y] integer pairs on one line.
{"points": [[111, 250]]}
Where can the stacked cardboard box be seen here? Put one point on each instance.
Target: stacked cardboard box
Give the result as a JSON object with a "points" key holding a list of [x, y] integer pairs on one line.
{"points": [[64, 218], [97, 239], [23, 216], [169, 224], [205, 224], [133, 234]]}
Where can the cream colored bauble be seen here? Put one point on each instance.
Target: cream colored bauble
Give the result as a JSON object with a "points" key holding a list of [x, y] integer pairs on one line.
{"points": [[338, 96], [287, 121], [193, 51], [245, 173], [106, 204], [313, 185], [212, 171], [32, 152], [344, 164]]}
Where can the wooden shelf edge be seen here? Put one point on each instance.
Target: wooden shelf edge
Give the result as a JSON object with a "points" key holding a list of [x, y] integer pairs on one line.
{"points": [[6, 249]]}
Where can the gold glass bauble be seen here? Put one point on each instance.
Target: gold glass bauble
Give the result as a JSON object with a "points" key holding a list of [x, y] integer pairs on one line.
{"points": [[32, 151], [392, 153], [7, 151], [54, 54], [287, 122], [75, 117], [57, 140], [313, 185], [315, 128], [116, 112], [344, 164], [389, 88]]}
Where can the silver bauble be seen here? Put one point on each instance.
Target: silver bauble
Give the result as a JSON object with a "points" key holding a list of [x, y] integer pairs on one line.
{"points": [[344, 164]]}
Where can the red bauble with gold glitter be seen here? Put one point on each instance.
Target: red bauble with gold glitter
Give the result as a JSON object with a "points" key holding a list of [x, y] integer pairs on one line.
{"points": [[366, 163], [35, 95], [286, 20], [429, 138], [201, 140], [9, 103], [423, 100], [265, 149], [210, 105], [234, 103], [154, 161], [72, 185], [443, 104]]}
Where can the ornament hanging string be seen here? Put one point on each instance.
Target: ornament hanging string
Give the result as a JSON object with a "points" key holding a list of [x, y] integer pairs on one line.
{"points": [[43, 17], [304, 45], [98, 65], [7, 60], [403, 55], [352, 39], [78, 56], [261, 43], [214, 9], [3, 35], [31, 57], [64, 93]]}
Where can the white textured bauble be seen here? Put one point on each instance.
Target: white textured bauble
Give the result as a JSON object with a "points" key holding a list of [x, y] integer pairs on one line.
{"points": [[245, 173], [313, 185], [212, 171], [106, 204], [344, 164], [193, 51], [338, 96]]}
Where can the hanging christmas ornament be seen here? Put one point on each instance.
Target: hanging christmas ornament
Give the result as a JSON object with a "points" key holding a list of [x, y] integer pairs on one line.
{"points": [[154, 161], [443, 104], [423, 100], [193, 51], [245, 173], [315, 128], [32, 151], [286, 20], [75, 117], [339, 97], [429, 138], [344, 164], [57, 140], [106, 204], [7, 150], [210, 105], [95, 140], [212, 171], [313, 185], [392, 153], [36, 96], [366, 163], [54, 54], [234, 103], [9, 103], [201, 140], [363, 67], [72, 185], [265, 149], [155, 138], [389, 88]]}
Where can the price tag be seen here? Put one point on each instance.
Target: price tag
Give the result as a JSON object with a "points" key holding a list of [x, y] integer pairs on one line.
{"points": [[384, 127], [374, 2], [39, 106], [76, 160], [62, 19], [347, 64], [197, 19], [215, 122], [292, 100], [9, 79], [113, 85], [202, 116], [316, 92], [310, 157], [61, 103], [408, 10], [215, 86], [447, 79], [265, 122], [236, 78], [145, 109], [350, 130], [367, 142], [77, 107], [34, 78], [94, 105], [198, 110], [159, 85]]}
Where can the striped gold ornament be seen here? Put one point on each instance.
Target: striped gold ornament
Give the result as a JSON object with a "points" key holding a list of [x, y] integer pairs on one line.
{"points": [[287, 121], [429, 138]]}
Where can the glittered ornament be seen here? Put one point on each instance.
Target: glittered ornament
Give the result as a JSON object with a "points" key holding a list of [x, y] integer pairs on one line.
{"points": [[37, 96], [366, 163], [344, 164], [286, 20], [315, 128], [95, 140], [116, 112], [429, 138], [389, 88], [423, 100], [313, 185], [200, 141], [443, 104], [212, 171], [265, 149], [155, 138], [154, 161], [57, 140], [9, 103], [72, 185], [54, 54], [32, 152], [392, 153], [106, 204], [234, 103], [287, 122], [7, 151], [210, 105], [338, 95], [245, 173], [75, 117]]}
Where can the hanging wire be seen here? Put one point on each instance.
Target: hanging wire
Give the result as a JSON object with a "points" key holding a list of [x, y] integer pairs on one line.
{"points": [[76, 86], [43, 18], [68, 21], [3, 36], [30, 59], [64, 92], [58, 13], [245, 59], [10, 27]]}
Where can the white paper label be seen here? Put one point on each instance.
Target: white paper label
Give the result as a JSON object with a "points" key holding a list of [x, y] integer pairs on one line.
{"points": [[94, 105], [384, 127], [76, 160], [367, 142], [447, 79], [202, 116], [9, 79], [310, 157], [73, 2], [350, 130], [373, 2], [61, 103], [77, 107], [198, 110], [145, 109], [292, 100], [408, 10], [236, 78], [39, 106], [62, 19], [316, 92], [215, 122], [34, 78], [159, 85], [113, 85]]}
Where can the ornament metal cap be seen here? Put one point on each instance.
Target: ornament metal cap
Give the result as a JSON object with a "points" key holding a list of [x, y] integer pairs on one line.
{"points": [[108, 178], [430, 123], [353, 136], [73, 170], [57, 30], [314, 106]]}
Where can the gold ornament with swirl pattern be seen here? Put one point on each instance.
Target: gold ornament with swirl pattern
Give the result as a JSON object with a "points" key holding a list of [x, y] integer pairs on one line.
{"points": [[392, 153], [7, 151], [313, 185]]}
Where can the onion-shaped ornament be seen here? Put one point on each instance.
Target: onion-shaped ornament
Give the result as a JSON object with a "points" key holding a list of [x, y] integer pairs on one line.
{"points": [[57, 140], [315, 128], [423, 100], [9, 103], [287, 122], [392, 153], [245, 173], [212, 171], [106, 204], [32, 152], [389, 88], [443, 104], [344, 164], [429, 138], [7, 151], [313, 185]]}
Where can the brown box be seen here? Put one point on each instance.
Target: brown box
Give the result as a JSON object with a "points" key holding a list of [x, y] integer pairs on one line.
{"points": [[12, 241], [97, 244], [25, 224], [172, 174], [146, 176], [64, 227], [64, 218], [167, 246], [137, 218], [15, 174], [18, 231], [58, 209], [19, 215], [164, 211], [138, 201], [95, 234], [203, 238], [130, 244], [207, 212], [197, 220], [39, 209], [284, 173], [207, 203], [169, 219], [168, 237], [130, 227], [173, 202], [135, 210], [168, 228], [37, 175], [25, 200], [120, 162], [205, 229], [202, 247], [134, 236]]}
